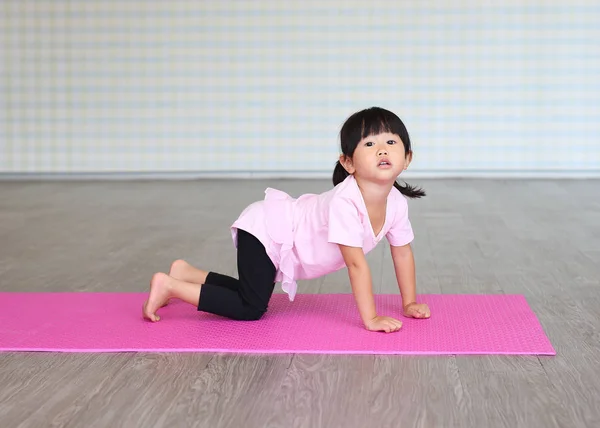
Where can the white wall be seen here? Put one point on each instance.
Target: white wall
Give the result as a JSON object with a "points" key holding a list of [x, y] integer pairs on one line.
{"points": [[231, 86]]}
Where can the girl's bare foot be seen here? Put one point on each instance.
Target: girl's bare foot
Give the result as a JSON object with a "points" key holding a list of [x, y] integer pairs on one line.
{"points": [[183, 271], [159, 296]]}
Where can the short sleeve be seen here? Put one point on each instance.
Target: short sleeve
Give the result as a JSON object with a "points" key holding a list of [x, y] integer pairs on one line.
{"points": [[401, 232], [345, 226]]}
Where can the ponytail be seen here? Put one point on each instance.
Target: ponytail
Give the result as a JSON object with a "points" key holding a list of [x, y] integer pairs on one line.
{"points": [[339, 174], [409, 191]]}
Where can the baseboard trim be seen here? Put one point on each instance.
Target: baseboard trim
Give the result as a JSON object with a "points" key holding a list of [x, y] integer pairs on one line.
{"points": [[198, 175]]}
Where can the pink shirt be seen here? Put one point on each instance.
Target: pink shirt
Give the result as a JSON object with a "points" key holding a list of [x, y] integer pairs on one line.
{"points": [[301, 235]]}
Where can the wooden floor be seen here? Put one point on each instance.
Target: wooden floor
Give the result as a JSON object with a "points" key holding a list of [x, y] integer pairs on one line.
{"points": [[537, 238]]}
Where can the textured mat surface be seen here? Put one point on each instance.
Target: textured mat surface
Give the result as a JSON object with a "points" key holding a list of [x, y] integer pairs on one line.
{"points": [[313, 323]]}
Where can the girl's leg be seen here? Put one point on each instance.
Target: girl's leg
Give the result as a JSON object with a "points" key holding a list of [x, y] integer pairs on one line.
{"points": [[243, 299], [248, 297], [183, 271]]}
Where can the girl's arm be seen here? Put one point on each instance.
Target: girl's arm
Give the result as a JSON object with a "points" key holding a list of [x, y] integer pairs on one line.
{"points": [[360, 279], [404, 265]]}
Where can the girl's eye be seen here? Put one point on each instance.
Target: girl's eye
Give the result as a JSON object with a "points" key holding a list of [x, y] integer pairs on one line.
{"points": [[368, 144], [391, 142]]}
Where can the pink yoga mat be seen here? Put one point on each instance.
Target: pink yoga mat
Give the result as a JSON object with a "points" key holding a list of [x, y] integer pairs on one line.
{"points": [[313, 323]]}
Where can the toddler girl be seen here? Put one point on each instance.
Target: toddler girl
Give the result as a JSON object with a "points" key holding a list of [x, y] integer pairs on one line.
{"points": [[282, 239]]}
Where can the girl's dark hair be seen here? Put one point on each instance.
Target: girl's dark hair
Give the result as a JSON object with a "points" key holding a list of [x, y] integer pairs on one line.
{"points": [[373, 121]]}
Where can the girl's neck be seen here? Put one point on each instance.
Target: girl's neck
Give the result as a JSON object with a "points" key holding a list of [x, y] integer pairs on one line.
{"points": [[374, 194]]}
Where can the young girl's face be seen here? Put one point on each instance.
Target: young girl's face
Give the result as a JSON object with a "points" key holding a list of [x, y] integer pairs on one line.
{"points": [[379, 158]]}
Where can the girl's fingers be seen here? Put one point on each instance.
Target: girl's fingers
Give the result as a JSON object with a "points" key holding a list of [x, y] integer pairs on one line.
{"points": [[393, 326], [390, 325]]}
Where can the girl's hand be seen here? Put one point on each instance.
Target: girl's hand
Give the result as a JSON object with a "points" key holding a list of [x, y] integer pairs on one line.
{"points": [[386, 324], [417, 310]]}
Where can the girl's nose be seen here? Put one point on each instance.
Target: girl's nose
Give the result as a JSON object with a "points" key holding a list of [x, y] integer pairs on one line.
{"points": [[382, 152]]}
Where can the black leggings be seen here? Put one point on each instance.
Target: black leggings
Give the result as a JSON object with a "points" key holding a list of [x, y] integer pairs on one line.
{"points": [[246, 298]]}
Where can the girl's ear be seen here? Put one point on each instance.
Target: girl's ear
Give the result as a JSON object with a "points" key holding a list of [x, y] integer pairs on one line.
{"points": [[347, 164], [408, 160]]}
